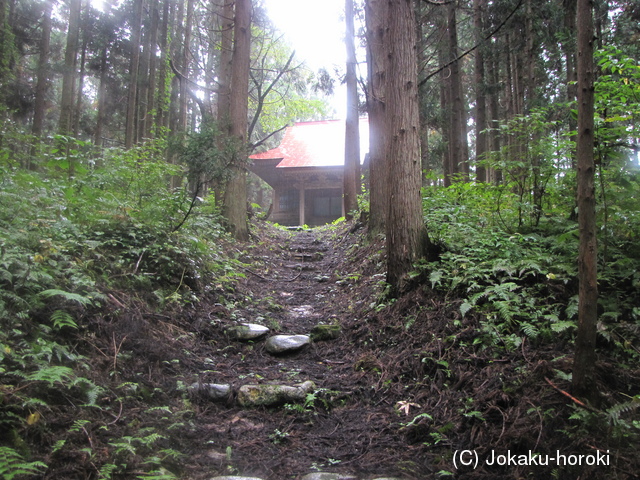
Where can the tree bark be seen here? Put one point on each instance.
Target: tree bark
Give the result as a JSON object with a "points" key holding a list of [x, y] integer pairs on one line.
{"points": [[407, 238], [458, 145], [351, 183], [77, 115], [185, 65], [43, 71], [102, 97], [224, 80], [132, 98], [482, 144], [583, 381], [235, 198], [69, 75], [376, 14], [153, 61], [161, 102]]}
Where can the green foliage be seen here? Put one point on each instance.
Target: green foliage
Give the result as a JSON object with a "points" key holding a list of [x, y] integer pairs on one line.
{"points": [[13, 465], [524, 285], [617, 94], [536, 150], [70, 233]]}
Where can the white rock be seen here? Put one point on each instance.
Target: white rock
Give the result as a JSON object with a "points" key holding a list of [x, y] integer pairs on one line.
{"points": [[327, 476], [214, 391], [248, 331], [286, 343]]}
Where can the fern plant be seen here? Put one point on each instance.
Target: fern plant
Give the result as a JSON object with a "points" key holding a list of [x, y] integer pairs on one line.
{"points": [[13, 465]]}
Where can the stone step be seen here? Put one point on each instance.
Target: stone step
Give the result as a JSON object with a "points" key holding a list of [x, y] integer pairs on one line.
{"points": [[308, 257], [247, 331], [310, 476], [279, 344]]}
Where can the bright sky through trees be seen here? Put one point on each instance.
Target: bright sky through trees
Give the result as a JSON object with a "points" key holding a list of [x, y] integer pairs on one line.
{"points": [[315, 30]]}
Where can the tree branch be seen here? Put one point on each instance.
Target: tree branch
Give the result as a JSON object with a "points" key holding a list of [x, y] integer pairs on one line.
{"points": [[261, 141], [467, 52], [261, 97]]}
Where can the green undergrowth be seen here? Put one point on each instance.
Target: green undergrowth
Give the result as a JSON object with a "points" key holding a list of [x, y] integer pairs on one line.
{"points": [[517, 284], [74, 234], [523, 281]]}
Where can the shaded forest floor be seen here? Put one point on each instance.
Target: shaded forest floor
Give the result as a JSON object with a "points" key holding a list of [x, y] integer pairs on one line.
{"points": [[406, 384]]}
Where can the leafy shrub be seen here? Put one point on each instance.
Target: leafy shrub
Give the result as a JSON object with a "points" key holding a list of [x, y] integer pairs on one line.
{"points": [[69, 234]]}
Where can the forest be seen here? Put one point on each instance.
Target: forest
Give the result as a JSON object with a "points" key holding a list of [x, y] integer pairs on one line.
{"points": [[480, 295]]}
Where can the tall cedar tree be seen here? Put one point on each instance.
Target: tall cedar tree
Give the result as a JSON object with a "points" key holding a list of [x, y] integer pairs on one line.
{"points": [[407, 238], [43, 71], [69, 75], [136, 29], [235, 195], [351, 186], [375, 15], [584, 360], [482, 145]]}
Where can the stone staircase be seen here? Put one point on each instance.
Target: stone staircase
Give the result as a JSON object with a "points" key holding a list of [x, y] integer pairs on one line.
{"points": [[311, 260]]}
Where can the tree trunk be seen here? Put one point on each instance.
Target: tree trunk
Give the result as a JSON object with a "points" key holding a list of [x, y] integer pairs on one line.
{"points": [[142, 108], [102, 97], [161, 101], [482, 145], [458, 128], [224, 79], [583, 381], [351, 184], [77, 115], [494, 115], [43, 71], [376, 13], [151, 92], [69, 75], [407, 238], [185, 65], [235, 198], [132, 98]]}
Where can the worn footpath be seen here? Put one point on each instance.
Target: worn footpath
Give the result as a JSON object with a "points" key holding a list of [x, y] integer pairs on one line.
{"points": [[284, 396]]}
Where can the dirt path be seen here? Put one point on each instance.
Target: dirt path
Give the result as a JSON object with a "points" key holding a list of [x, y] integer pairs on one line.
{"points": [[405, 384], [293, 284]]}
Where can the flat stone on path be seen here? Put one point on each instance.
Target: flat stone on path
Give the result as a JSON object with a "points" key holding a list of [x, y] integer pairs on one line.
{"points": [[234, 477], [269, 395], [286, 343], [247, 331], [213, 391], [327, 476]]}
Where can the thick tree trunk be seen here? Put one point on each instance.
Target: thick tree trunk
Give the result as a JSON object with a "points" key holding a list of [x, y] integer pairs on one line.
{"points": [[143, 80], [177, 35], [235, 198], [43, 71], [185, 65], [482, 145], [407, 238], [224, 79], [102, 98], [132, 98], [351, 184], [152, 80], [494, 115], [162, 107], [376, 14], [69, 75], [77, 115], [584, 361], [458, 128]]}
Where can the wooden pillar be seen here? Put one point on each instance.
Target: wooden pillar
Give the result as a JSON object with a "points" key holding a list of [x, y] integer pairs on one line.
{"points": [[301, 201]]}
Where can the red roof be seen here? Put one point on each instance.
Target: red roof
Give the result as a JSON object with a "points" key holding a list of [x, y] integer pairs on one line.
{"points": [[314, 144]]}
